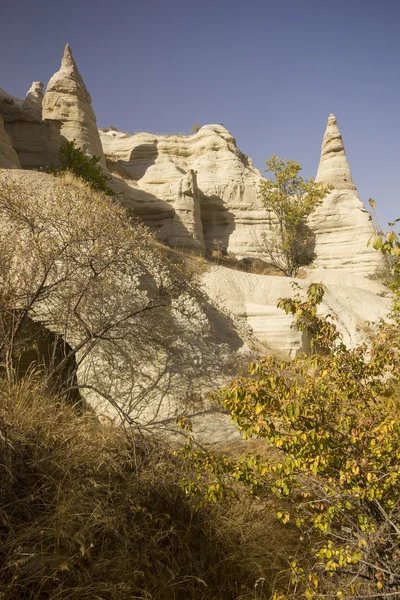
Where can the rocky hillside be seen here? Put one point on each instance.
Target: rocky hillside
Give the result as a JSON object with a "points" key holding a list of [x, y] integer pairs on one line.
{"points": [[196, 192]]}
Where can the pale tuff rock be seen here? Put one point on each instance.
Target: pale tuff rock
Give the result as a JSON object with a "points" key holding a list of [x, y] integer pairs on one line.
{"points": [[36, 142], [10, 107], [201, 349], [32, 106], [254, 298], [187, 229], [8, 156], [68, 101], [206, 347], [14, 109], [334, 168], [342, 225], [230, 210]]}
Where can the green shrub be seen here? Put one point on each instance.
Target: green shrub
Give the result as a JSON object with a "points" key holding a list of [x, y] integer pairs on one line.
{"points": [[83, 166]]}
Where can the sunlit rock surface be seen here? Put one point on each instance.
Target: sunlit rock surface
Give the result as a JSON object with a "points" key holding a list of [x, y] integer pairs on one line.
{"points": [[341, 224], [231, 214], [67, 100]]}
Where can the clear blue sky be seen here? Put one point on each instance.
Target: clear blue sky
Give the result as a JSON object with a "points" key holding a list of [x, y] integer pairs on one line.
{"points": [[271, 72]]}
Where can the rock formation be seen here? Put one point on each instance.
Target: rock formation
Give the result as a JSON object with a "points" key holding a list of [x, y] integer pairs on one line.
{"points": [[254, 298], [227, 182], [8, 156], [36, 142], [202, 350], [342, 224], [67, 100], [32, 106], [230, 211], [187, 228]]}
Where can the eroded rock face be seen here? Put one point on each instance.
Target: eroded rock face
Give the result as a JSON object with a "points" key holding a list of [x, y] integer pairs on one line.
{"points": [[36, 142], [203, 345], [254, 298], [342, 224], [67, 100], [187, 228], [8, 156], [164, 362], [32, 106], [227, 185], [231, 213]]}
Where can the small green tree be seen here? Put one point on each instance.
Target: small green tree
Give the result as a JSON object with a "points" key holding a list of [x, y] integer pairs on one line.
{"points": [[288, 245], [83, 166], [196, 128]]}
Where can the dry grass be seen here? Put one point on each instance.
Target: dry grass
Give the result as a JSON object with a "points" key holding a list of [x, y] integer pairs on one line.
{"points": [[87, 512]]}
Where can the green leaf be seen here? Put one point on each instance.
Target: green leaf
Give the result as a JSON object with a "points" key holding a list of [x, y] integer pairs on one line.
{"points": [[378, 243]]}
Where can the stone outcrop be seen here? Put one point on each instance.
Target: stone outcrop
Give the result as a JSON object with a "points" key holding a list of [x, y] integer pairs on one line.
{"points": [[253, 299], [32, 106], [342, 224], [36, 142], [67, 100], [187, 228], [227, 184], [10, 107], [8, 156], [237, 319]]}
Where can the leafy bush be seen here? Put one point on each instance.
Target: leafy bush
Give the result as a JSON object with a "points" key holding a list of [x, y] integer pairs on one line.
{"points": [[83, 166], [332, 420]]}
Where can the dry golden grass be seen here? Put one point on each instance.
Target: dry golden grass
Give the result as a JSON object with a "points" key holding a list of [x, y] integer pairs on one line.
{"points": [[87, 512]]}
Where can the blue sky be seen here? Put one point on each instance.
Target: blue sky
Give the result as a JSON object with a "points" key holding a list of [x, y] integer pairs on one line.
{"points": [[271, 72]]}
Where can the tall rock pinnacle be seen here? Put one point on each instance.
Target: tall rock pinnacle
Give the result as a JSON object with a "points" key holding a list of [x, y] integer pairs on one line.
{"points": [[342, 225], [68, 101], [333, 167]]}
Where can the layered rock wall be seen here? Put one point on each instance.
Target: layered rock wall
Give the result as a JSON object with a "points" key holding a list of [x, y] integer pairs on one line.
{"points": [[227, 184], [231, 213], [196, 191], [36, 142]]}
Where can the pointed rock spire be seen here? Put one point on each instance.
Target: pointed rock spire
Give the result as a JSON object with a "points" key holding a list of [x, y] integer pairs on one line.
{"points": [[334, 168], [341, 224], [68, 80], [68, 101]]}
